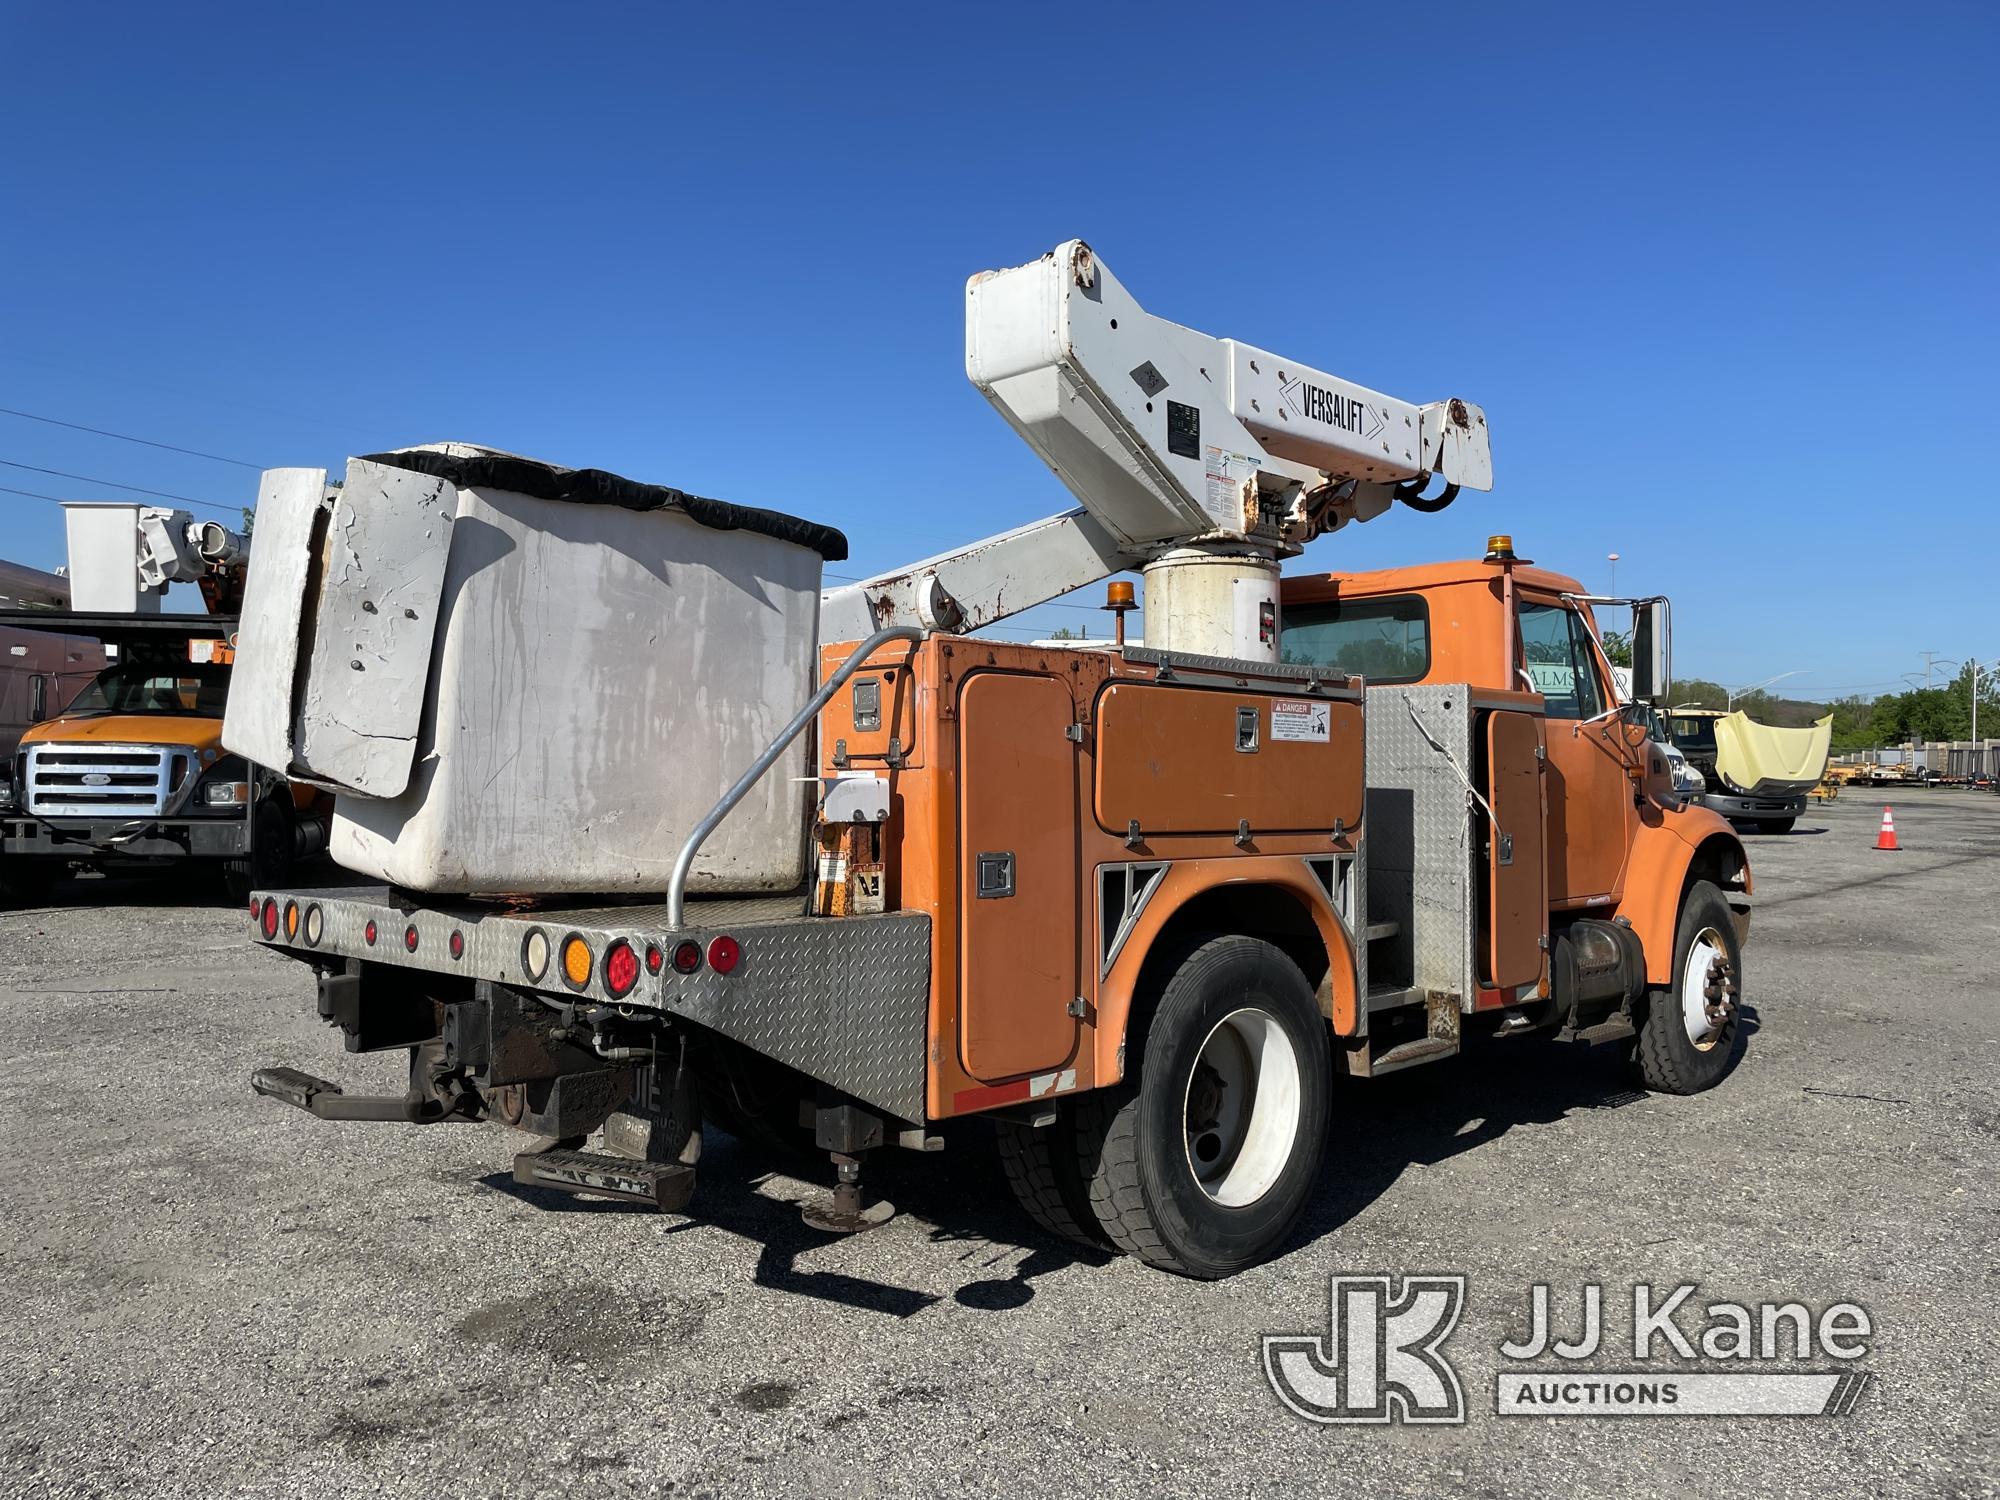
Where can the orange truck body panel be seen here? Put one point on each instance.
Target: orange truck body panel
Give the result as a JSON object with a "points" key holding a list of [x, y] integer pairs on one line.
{"points": [[1035, 766]]}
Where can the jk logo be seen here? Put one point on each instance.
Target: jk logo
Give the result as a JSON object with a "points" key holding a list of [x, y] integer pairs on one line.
{"points": [[1379, 1361]]}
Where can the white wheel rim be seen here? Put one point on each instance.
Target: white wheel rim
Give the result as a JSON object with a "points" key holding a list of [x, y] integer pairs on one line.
{"points": [[1241, 1109], [1708, 990]]}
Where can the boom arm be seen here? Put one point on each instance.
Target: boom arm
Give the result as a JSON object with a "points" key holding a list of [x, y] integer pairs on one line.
{"points": [[1168, 437]]}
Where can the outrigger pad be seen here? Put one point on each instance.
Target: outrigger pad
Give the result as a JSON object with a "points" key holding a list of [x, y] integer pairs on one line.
{"points": [[666, 1186]]}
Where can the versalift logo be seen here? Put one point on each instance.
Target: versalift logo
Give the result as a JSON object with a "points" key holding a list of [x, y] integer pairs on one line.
{"points": [[1336, 409]]}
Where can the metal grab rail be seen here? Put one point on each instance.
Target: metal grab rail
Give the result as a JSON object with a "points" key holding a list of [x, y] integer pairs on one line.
{"points": [[677, 883]]}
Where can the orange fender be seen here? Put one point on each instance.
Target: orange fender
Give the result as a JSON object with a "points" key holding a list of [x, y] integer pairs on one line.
{"points": [[1273, 896], [1666, 851]]}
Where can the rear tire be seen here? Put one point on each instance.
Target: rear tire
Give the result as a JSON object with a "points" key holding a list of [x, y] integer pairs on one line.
{"points": [[1202, 1165], [1041, 1167], [1692, 1032]]}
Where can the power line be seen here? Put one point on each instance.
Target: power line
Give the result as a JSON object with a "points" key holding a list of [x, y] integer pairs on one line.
{"points": [[126, 437], [31, 494], [115, 485]]}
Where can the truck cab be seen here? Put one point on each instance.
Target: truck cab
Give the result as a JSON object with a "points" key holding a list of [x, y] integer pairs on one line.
{"points": [[1608, 804]]}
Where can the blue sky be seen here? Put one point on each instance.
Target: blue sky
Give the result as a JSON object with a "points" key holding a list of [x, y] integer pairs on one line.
{"points": [[1723, 277]]}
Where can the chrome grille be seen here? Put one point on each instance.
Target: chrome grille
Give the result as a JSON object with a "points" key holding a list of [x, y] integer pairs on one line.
{"points": [[103, 781]]}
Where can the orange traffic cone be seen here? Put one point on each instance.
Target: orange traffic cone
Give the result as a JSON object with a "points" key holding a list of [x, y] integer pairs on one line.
{"points": [[1886, 839]]}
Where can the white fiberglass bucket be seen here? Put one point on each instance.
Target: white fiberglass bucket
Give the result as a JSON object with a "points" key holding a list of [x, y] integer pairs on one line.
{"points": [[516, 692]]}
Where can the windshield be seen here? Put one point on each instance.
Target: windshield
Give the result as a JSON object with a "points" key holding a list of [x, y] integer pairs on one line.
{"points": [[154, 687], [1695, 734]]}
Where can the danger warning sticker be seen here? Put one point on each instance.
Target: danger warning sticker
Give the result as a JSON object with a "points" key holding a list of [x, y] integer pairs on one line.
{"points": [[1300, 719]]}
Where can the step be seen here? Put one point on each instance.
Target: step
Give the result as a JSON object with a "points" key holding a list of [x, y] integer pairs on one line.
{"points": [[666, 1186]]}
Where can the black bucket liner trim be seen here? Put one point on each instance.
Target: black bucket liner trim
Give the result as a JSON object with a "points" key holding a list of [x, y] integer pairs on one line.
{"points": [[526, 476]]}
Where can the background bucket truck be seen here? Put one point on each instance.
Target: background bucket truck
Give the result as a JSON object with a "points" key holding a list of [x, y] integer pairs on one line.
{"points": [[829, 863], [120, 764]]}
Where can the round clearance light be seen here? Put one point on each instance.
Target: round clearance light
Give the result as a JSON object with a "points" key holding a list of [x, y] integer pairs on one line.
{"points": [[315, 924], [268, 918], [291, 919], [535, 954], [255, 907], [410, 937], [368, 932], [621, 969], [724, 954], [575, 962], [457, 944], [687, 956], [654, 958]]}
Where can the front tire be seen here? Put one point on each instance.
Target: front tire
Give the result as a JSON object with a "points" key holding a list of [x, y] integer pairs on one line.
{"points": [[1780, 825], [272, 853], [1202, 1165], [1692, 1032]]}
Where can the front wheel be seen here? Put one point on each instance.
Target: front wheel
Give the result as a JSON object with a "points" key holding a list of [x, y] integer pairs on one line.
{"points": [[1203, 1165], [1692, 1032]]}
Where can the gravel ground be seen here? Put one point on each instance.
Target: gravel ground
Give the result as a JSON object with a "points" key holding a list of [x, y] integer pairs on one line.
{"points": [[209, 1294]]}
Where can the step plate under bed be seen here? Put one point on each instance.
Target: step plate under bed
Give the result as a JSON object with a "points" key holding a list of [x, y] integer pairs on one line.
{"points": [[842, 999]]}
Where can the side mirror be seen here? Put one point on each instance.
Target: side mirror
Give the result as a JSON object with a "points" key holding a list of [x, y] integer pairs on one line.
{"points": [[1652, 652]]}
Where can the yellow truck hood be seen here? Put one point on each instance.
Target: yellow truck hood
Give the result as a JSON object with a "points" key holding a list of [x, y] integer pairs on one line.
{"points": [[185, 731], [1765, 761]]}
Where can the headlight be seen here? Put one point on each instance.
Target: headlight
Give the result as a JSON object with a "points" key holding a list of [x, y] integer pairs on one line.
{"points": [[225, 784]]}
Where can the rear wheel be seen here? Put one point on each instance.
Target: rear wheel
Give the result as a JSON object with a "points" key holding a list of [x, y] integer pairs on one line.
{"points": [[1203, 1165], [1041, 1167], [1692, 1031]]}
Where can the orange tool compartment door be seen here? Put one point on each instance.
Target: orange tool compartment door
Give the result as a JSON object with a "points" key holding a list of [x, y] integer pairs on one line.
{"points": [[1017, 875], [1186, 760], [1517, 907]]}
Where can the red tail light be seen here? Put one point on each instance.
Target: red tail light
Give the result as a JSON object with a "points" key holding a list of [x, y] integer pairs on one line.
{"points": [[410, 937], [458, 945], [687, 956], [654, 959], [724, 954], [621, 969], [369, 932], [268, 919]]}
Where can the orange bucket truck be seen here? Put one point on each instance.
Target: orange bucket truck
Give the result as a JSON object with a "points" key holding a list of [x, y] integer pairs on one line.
{"points": [[661, 831]]}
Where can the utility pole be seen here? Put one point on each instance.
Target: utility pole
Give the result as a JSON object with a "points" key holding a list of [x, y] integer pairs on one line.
{"points": [[1929, 657], [1613, 560]]}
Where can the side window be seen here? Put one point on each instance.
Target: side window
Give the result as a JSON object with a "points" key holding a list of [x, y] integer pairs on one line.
{"points": [[1560, 661], [1384, 640]]}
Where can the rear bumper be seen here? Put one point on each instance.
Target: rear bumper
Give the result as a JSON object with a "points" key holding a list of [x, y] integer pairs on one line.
{"points": [[843, 1000], [1753, 809], [116, 839]]}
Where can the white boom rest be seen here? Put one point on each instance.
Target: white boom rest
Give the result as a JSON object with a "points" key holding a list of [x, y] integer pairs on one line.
{"points": [[1168, 437]]}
